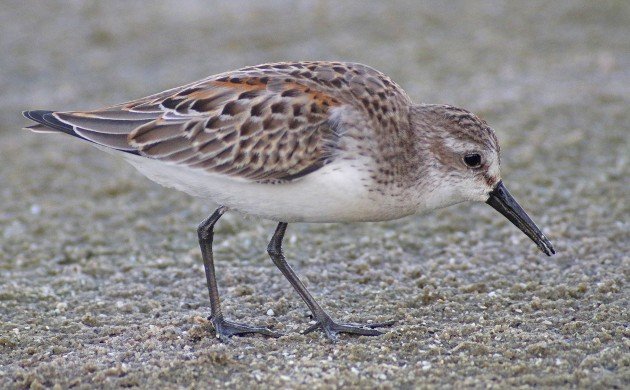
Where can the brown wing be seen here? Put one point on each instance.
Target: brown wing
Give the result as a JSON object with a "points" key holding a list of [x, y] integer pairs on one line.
{"points": [[239, 126], [265, 123], [253, 127]]}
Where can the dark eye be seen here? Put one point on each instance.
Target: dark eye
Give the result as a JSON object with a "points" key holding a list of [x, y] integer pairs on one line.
{"points": [[473, 160]]}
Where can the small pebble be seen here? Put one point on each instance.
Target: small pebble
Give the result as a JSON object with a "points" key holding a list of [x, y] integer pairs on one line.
{"points": [[36, 209]]}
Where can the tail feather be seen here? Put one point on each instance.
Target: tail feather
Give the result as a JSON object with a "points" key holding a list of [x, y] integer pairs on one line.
{"points": [[48, 123], [46, 118], [38, 128]]}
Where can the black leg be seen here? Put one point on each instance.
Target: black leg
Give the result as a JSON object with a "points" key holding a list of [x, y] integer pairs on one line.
{"points": [[224, 329], [324, 321]]}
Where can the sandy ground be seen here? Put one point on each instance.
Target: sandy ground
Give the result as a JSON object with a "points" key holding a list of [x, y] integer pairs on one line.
{"points": [[101, 282]]}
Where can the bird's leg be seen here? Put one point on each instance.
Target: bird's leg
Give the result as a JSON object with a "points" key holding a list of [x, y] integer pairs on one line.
{"points": [[323, 320], [224, 329]]}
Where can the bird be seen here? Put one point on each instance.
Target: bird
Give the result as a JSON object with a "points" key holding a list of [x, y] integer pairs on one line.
{"points": [[305, 141]]}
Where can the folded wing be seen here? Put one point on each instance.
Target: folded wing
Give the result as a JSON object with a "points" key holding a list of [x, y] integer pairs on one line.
{"points": [[260, 127]]}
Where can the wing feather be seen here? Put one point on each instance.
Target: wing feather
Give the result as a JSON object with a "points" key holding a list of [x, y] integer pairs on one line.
{"points": [[265, 123]]}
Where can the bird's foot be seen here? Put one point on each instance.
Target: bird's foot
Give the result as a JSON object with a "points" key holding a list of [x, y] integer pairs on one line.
{"points": [[332, 329], [225, 329]]}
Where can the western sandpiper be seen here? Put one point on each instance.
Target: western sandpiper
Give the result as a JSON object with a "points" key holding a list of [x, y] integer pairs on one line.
{"points": [[301, 142]]}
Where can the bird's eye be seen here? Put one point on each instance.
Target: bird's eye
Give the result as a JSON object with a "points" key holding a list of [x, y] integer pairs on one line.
{"points": [[473, 160]]}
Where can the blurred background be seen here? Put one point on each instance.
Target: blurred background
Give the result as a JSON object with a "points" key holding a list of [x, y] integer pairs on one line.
{"points": [[100, 277]]}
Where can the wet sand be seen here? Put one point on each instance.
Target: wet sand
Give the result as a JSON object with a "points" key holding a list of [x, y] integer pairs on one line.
{"points": [[101, 281]]}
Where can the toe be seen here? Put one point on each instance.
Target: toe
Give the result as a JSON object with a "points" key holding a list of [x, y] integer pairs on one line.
{"points": [[358, 329], [226, 329], [332, 329], [384, 324]]}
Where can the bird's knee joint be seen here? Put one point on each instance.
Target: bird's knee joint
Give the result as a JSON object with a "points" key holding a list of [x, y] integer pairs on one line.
{"points": [[204, 231], [273, 251]]}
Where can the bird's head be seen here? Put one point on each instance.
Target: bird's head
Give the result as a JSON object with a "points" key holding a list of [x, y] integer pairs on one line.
{"points": [[462, 156]]}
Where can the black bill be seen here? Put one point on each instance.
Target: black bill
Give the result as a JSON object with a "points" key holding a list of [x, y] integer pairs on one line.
{"points": [[501, 200]]}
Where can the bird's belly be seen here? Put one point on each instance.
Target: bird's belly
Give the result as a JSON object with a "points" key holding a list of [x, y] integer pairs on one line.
{"points": [[337, 192], [328, 195]]}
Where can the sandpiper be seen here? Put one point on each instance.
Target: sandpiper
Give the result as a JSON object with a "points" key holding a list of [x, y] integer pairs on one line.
{"points": [[301, 142]]}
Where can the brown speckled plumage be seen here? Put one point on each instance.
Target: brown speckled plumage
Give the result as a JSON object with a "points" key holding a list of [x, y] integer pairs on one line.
{"points": [[278, 123], [266, 123], [302, 141]]}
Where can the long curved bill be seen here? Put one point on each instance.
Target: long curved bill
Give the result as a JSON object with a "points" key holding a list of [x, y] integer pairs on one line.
{"points": [[501, 200]]}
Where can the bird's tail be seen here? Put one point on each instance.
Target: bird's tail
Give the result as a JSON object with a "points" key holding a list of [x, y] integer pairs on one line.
{"points": [[106, 132], [47, 123]]}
